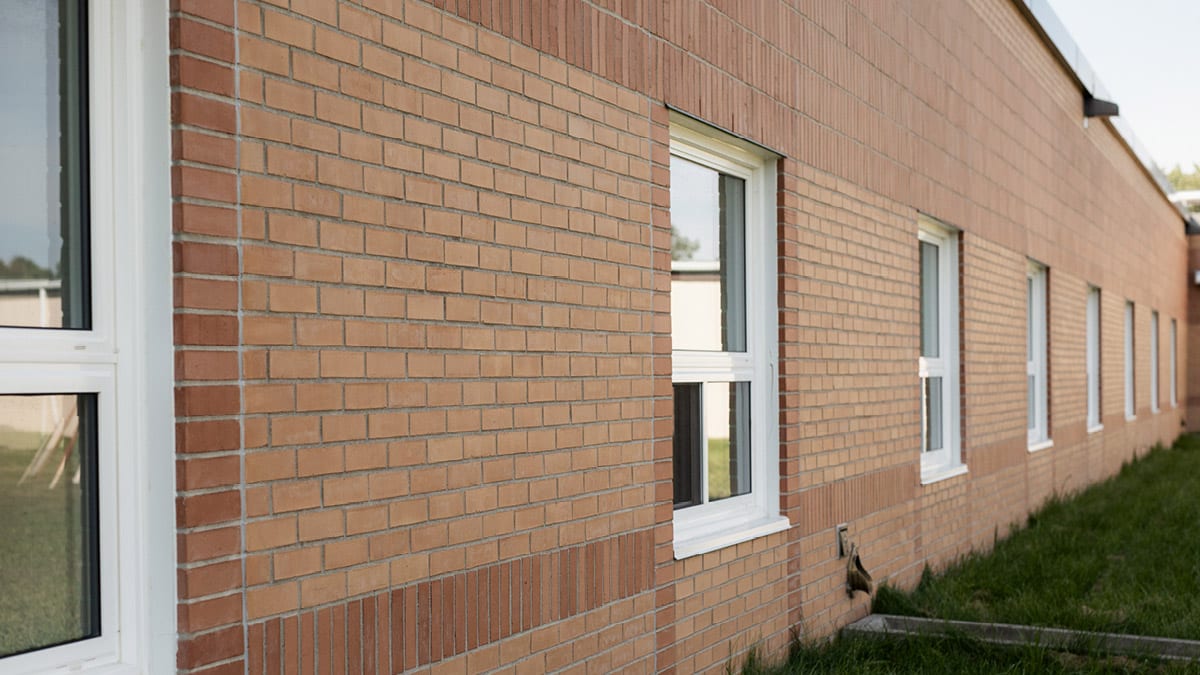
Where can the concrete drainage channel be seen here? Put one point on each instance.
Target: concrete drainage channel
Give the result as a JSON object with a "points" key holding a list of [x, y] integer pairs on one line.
{"points": [[888, 625]]}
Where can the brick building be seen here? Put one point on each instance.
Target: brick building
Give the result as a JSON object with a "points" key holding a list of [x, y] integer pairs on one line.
{"points": [[550, 336]]}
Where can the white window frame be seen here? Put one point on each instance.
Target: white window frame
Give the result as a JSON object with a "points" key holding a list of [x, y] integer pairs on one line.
{"points": [[1154, 364], [1036, 357], [1174, 366], [714, 525], [128, 363], [1094, 422], [1130, 366], [945, 463]]}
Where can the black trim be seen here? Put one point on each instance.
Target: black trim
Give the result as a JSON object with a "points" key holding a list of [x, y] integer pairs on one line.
{"points": [[687, 444], [1098, 107], [727, 132]]}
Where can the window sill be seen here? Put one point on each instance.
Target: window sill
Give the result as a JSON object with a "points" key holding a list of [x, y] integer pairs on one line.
{"points": [[718, 539], [1095, 429], [1155, 411], [1042, 445], [1130, 418], [942, 473]]}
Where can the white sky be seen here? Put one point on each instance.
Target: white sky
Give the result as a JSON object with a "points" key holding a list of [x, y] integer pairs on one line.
{"points": [[1147, 55]]}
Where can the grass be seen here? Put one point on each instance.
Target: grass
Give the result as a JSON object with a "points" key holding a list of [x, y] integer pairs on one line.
{"points": [[718, 468], [949, 654], [1122, 557], [40, 575]]}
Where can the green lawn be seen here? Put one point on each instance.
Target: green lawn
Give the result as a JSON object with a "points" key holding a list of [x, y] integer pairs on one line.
{"points": [[40, 559], [718, 468], [1122, 557]]}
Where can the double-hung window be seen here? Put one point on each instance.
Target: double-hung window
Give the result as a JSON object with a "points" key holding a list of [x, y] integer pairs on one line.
{"points": [[1130, 389], [1093, 359], [1035, 361], [724, 340], [83, 544], [937, 365], [1154, 360]]}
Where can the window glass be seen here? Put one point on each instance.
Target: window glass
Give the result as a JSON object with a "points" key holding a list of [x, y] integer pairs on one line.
{"points": [[1093, 357], [1036, 354], [929, 299], [1174, 367], [49, 553], [1029, 319], [727, 430], [688, 444], [931, 418], [44, 260], [712, 420], [1130, 391], [1031, 397], [708, 258], [1154, 361]]}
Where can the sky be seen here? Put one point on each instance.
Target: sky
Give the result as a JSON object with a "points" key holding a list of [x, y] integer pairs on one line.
{"points": [[1147, 55], [29, 219]]}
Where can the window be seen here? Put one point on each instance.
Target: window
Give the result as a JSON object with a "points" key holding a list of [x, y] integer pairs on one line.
{"points": [[1154, 360], [1130, 402], [1174, 368], [937, 365], [1093, 359], [1036, 370], [723, 290], [81, 542]]}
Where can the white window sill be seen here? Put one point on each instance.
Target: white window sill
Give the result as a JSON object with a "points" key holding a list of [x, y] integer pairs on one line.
{"points": [[1095, 429], [1155, 411], [1042, 445], [941, 473], [712, 541], [1130, 418]]}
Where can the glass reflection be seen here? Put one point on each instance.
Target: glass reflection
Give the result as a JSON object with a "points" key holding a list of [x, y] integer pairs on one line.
{"points": [[49, 553], [708, 258], [727, 428], [931, 415], [44, 274], [929, 299]]}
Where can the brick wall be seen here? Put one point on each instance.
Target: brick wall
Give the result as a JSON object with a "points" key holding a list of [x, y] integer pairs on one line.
{"points": [[423, 317], [210, 429]]}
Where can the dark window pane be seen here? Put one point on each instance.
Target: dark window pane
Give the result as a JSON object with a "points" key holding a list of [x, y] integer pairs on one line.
{"points": [[708, 253], [49, 549], [44, 258], [687, 443], [727, 427]]}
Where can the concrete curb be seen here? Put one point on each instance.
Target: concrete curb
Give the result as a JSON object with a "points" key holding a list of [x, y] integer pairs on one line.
{"points": [[883, 625]]}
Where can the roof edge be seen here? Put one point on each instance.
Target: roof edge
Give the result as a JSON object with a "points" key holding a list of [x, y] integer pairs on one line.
{"points": [[1055, 35]]}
